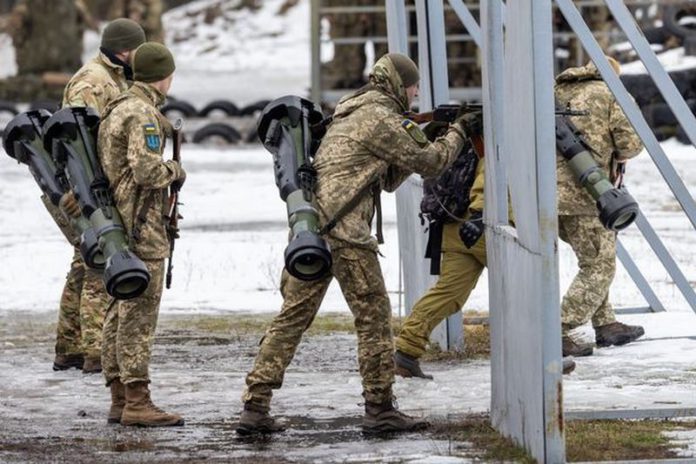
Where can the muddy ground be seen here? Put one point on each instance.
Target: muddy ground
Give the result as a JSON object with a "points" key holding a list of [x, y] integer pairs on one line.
{"points": [[49, 416]]}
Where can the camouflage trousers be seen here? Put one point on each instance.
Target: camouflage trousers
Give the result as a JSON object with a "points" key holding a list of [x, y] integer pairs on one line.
{"points": [[129, 331], [460, 270], [81, 315], [588, 295], [360, 277]]}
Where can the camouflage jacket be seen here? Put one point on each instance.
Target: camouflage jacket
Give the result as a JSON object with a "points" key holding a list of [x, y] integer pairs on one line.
{"points": [[370, 142], [131, 142], [96, 84], [606, 129]]}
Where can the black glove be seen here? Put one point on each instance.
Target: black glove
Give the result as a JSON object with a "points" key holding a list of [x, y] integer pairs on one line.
{"points": [[471, 229], [471, 122], [435, 129]]}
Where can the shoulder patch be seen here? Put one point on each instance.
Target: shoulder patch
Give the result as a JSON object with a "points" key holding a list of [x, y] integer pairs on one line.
{"points": [[152, 137], [415, 132]]}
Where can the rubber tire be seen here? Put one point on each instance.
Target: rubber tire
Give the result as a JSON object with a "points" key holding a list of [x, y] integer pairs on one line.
{"points": [[226, 106], [642, 88], [671, 15], [227, 132], [49, 105], [7, 107], [185, 108], [251, 110]]}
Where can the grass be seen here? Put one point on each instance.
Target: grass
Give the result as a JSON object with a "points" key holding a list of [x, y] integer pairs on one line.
{"points": [[242, 324], [486, 443], [621, 439], [585, 440]]}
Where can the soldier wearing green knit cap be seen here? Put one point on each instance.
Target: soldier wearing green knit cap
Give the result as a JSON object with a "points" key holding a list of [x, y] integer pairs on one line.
{"points": [[130, 145], [84, 299]]}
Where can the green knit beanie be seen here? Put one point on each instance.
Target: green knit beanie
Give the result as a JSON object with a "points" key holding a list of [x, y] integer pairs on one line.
{"points": [[122, 34], [152, 62], [407, 69]]}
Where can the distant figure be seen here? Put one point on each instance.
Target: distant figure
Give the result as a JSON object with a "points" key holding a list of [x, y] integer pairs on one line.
{"points": [[609, 134], [39, 45]]}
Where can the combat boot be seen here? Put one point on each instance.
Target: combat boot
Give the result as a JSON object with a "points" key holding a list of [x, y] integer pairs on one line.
{"points": [[65, 361], [385, 418], [408, 366], [575, 349], [568, 365], [118, 401], [140, 410], [617, 333], [255, 419], [92, 366]]}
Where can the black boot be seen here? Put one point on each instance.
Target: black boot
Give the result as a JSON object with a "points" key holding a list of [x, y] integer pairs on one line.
{"points": [[617, 333], [385, 418], [408, 366], [65, 361], [575, 349], [256, 420]]}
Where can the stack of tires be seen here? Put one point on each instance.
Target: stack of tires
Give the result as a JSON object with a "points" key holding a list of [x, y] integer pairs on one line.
{"points": [[679, 21], [217, 129]]}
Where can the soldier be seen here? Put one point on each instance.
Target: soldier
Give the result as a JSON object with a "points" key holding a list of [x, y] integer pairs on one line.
{"points": [[84, 299], [130, 149], [368, 147], [609, 134], [148, 13], [463, 247]]}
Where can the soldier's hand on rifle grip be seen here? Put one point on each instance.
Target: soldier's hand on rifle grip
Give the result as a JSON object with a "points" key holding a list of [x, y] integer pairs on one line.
{"points": [[180, 180], [472, 229], [471, 122], [69, 206]]}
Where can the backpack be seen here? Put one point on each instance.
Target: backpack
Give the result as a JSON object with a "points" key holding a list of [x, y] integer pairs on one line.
{"points": [[446, 198]]}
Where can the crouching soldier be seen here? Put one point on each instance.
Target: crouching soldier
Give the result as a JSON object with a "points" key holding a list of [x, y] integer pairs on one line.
{"points": [[369, 147]]}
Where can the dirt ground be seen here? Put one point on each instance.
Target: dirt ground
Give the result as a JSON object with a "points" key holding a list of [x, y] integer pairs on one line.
{"points": [[49, 416]]}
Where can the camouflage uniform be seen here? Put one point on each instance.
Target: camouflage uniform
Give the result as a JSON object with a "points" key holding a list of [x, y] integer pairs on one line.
{"points": [[130, 150], [609, 133], [84, 299], [147, 13], [460, 269], [368, 142]]}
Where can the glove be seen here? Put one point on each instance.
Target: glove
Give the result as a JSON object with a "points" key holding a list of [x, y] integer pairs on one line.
{"points": [[69, 206], [472, 229], [435, 129], [471, 122], [180, 180]]}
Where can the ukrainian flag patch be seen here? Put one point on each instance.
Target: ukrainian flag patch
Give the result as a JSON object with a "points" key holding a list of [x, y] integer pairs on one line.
{"points": [[152, 137], [415, 132]]}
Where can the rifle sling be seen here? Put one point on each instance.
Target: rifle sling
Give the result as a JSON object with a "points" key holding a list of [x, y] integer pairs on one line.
{"points": [[376, 190]]}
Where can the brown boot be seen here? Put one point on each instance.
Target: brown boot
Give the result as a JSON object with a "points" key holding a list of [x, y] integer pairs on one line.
{"points": [[617, 333], [118, 401], [385, 418], [255, 419], [140, 410], [65, 361], [575, 349], [92, 365], [406, 365]]}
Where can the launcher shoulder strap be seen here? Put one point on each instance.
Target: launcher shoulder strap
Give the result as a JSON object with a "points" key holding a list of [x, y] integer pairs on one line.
{"points": [[141, 217], [370, 187]]}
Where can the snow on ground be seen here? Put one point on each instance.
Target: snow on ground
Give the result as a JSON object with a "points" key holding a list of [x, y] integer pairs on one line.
{"points": [[671, 60], [238, 46]]}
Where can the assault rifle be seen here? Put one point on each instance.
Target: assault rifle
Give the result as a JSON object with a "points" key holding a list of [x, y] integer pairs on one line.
{"points": [[173, 209]]}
